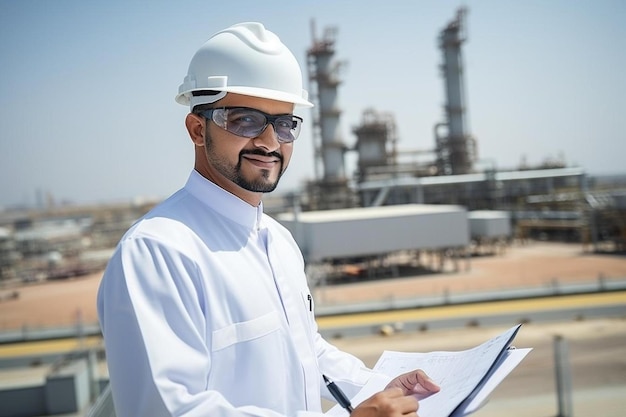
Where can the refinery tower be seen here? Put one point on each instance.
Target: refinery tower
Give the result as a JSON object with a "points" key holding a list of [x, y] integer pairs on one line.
{"points": [[454, 151], [330, 189]]}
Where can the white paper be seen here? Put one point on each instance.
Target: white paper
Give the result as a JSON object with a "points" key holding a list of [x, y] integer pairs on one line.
{"points": [[510, 360], [466, 378]]}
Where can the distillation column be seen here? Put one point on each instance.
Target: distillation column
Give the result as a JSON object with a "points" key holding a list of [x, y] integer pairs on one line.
{"points": [[456, 150], [331, 191]]}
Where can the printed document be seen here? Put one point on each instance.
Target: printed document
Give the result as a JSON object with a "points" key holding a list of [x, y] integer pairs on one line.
{"points": [[466, 378]]}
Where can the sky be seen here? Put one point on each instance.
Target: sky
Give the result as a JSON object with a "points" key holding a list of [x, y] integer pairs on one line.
{"points": [[87, 110]]}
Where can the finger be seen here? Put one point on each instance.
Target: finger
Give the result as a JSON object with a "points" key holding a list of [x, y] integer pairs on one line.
{"points": [[406, 382], [392, 392], [393, 405], [416, 382], [426, 382], [390, 402]]}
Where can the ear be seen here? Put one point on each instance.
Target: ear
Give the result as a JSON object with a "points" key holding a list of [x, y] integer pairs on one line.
{"points": [[195, 126]]}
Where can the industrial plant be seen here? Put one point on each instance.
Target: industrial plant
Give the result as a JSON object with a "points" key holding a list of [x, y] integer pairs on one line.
{"points": [[400, 212], [549, 201]]}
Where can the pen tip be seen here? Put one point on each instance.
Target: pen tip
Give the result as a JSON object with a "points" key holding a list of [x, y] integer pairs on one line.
{"points": [[325, 379]]}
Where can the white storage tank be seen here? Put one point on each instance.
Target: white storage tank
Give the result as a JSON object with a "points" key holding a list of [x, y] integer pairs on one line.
{"points": [[489, 224], [377, 230]]}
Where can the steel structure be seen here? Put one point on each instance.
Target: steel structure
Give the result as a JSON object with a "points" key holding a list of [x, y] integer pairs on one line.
{"points": [[456, 149], [375, 145], [330, 190]]}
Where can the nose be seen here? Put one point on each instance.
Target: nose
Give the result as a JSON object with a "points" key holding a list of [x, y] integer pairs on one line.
{"points": [[268, 139]]}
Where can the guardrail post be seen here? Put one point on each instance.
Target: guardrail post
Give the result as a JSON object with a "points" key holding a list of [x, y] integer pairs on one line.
{"points": [[563, 378], [94, 382]]}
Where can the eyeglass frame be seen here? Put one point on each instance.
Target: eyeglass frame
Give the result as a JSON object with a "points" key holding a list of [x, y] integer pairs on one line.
{"points": [[269, 119]]}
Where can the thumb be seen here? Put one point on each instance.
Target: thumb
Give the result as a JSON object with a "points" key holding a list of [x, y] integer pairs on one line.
{"points": [[425, 385]]}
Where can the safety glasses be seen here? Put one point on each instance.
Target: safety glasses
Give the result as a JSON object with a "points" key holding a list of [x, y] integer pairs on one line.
{"points": [[250, 123]]}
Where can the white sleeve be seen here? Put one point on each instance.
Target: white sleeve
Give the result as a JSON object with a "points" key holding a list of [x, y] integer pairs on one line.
{"points": [[346, 370], [150, 310]]}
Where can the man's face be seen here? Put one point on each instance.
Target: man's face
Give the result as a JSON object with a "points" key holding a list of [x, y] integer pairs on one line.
{"points": [[244, 167]]}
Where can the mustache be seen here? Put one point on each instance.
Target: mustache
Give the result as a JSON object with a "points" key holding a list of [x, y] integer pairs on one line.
{"points": [[260, 152]]}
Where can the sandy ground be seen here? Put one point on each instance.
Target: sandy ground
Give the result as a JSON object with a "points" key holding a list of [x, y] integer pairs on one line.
{"points": [[49, 304], [519, 266], [61, 303]]}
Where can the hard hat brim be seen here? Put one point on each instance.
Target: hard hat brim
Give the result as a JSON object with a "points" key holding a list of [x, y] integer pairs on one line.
{"points": [[186, 98]]}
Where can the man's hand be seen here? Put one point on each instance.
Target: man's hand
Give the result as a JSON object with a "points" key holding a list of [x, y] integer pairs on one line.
{"points": [[415, 383], [392, 402], [400, 397]]}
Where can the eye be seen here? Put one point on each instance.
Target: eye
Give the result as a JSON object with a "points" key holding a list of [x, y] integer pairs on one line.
{"points": [[243, 120], [285, 123], [246, 118]]}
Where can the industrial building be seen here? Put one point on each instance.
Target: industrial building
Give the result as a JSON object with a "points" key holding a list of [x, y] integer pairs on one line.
{"points": [[549, 201], [62, 242], [376, 242]]}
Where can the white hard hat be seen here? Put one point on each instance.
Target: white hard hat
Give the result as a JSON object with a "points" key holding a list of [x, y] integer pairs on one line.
{"points": [[244, 59]]}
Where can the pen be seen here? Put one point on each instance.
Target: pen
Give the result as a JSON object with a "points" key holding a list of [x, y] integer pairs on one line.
{"points": [[338, 394]]}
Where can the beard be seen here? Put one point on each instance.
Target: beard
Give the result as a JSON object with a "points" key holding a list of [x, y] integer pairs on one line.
{"points": [[261, 184]]}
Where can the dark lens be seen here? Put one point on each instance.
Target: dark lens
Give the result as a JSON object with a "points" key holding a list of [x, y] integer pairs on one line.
{"points": [[248, 123], [287, 128]]}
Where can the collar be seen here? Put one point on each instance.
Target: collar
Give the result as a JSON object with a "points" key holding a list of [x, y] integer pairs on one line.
{"points": [[223, 202]]}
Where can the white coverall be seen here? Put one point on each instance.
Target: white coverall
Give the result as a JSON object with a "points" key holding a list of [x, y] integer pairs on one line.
{"points": [[206, 311]]}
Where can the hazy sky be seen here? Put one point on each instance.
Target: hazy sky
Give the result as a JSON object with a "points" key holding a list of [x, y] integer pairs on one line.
{"points": [[87, 88]]}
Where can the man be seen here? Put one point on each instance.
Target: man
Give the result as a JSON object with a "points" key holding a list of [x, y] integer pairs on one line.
{"points": [[204, 306]]}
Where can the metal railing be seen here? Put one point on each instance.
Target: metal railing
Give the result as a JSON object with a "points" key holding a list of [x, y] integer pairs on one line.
{"points": [[103, 406]]}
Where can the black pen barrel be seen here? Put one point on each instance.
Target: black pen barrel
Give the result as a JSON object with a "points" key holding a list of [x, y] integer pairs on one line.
{"points": [[338, 394]]}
